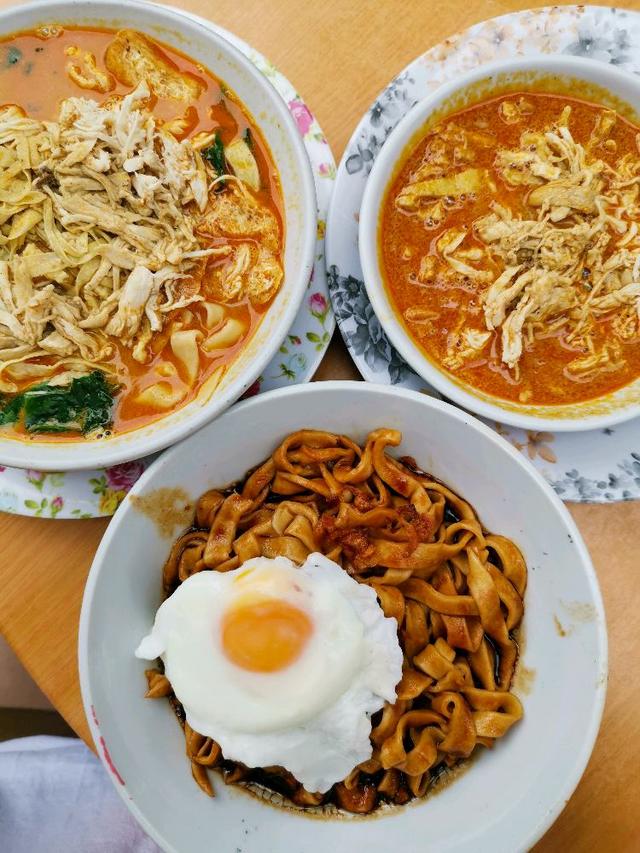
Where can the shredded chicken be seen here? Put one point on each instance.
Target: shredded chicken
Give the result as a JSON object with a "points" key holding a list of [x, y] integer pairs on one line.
{"points": [[577, 257], [106, 222], [513, 112], [447, 245], [570, 256], [464, 345]]}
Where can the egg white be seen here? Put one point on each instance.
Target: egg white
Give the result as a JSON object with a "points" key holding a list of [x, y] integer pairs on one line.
{"points": [[312, 717]]}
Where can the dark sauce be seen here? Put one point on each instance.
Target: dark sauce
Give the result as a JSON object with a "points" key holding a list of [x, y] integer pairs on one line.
{"points": [[277, 780], [259, 781]]}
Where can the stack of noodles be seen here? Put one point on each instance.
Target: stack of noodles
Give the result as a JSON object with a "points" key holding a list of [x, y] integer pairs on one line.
{"points": [[106, 222], [455, 590]]}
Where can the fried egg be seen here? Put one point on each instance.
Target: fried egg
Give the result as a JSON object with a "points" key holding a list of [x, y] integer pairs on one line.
{"points": [[280, 665]]}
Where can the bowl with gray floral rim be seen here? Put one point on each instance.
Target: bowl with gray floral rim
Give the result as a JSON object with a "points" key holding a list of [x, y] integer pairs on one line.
{"points": [[599, 465]]}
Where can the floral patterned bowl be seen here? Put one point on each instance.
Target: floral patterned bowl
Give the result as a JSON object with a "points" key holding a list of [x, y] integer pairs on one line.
{"points": [[610, 85], [281, 131]]}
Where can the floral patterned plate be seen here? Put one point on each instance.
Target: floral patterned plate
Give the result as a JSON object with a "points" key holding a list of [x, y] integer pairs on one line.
{"points": [[599, 465], [90, 494]]}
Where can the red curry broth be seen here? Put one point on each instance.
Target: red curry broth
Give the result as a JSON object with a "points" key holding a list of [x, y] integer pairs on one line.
{"points": [[33, 72], [404, 240]]}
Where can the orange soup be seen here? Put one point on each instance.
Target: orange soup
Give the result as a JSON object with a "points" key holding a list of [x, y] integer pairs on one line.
{"points": [[510, 249], [188, 222]]}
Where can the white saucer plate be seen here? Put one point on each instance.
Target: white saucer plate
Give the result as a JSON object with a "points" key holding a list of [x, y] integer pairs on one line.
{"points": [[91, 494], [599, 466]]}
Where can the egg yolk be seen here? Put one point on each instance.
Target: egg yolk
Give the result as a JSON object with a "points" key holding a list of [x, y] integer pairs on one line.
{"points": [[265, 635]]}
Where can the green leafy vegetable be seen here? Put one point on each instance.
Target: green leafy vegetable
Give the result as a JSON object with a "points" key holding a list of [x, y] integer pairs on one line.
{"points": [[10, 412], [82, 406], [214, 154]]}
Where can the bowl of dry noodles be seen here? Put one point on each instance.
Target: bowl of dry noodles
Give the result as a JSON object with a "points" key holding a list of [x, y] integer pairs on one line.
{"points": [[376, 627], [158, 227]]}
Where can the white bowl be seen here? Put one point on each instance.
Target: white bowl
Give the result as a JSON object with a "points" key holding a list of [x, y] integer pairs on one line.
{"points": [[510, 796], [609, 86], [271, 115]]}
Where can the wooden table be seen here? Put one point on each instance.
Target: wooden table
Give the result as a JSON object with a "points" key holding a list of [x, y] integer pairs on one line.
{"points": [[340, 53]]}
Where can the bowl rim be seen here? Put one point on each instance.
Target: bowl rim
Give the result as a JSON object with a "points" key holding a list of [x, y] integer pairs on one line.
{"points": [[392, 152], [81, 454], [353, 387]]}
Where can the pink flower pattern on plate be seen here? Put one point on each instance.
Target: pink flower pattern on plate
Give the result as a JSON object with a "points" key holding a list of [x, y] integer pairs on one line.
{"points": [[122, 477], [301, 115], [252, 390], [317, 303]]}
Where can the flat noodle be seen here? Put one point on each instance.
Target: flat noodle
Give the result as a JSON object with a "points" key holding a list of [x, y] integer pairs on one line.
{"points": [[455, 590]]}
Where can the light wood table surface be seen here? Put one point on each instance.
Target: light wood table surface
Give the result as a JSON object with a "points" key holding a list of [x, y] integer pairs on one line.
{"points": [[340, 54]]}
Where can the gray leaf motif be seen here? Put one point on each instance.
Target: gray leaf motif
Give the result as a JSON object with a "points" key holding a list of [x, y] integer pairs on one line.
{"points": [[602, 40], [614, 487], [384, 115], [361, 328]]}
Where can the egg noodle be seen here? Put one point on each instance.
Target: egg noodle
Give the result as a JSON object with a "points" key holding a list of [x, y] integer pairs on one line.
{"points": [[142, 233], [455, 590]]}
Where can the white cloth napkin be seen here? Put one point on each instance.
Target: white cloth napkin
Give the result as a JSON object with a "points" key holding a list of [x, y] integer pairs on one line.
{"points": [[55, 797]]}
